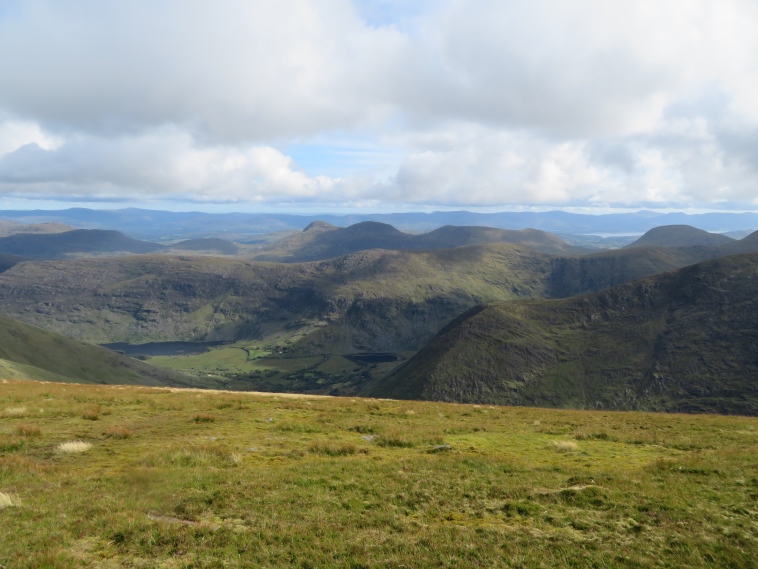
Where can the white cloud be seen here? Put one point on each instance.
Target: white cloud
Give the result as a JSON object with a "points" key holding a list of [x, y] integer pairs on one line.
{"points": [[163, 163], [232, 70], [493, 102]]}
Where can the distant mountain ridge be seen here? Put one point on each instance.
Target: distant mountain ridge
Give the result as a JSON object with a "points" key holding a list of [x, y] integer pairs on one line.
{"points": [[679, 341], [169, 226], [321, 240]]}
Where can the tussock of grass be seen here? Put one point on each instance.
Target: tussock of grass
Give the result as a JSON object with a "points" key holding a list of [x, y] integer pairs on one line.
{"points": [[204, 418], [563, 446], [333, 449], [28, 430], [117, 432], [364, 429], [91, 413], [195, 456], [74, 447], [296, 427], [394, 438], [8, 500], [599, 436]]}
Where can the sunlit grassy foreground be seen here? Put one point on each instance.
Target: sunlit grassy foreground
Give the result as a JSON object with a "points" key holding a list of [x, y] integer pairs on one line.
{"points": [[212, 479]]}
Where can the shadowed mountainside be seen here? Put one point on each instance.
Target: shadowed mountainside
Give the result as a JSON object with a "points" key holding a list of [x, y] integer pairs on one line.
{"points": [[680, 341], [27, 352], [207, 245], [321, 240], [14, 228], [8, 261], [69, 243]]}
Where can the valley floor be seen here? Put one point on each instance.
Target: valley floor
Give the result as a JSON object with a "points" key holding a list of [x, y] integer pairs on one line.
{"points": [[123, 476]]}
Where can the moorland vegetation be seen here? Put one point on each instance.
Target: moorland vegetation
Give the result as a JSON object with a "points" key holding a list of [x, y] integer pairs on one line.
{"points": [[125, 476]]}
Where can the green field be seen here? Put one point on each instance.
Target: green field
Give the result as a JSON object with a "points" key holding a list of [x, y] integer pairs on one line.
{"points": [[249, 366], [185, 478]]}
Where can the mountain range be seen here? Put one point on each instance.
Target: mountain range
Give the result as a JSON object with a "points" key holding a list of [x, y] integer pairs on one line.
{"points": [[165, 226], [371, 288]]}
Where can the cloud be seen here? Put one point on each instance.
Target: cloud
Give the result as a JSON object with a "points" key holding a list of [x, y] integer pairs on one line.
{"points": [[491, 102], [163, 164], [231, 71]]}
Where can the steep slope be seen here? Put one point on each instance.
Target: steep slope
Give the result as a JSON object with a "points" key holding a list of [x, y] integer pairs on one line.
{"points": [[747, 244], [373, 301], [680, 341], [368, 301], [590, 273], [680, 236], [71, 243], [8, 261], [321, 241], [27, 352]]}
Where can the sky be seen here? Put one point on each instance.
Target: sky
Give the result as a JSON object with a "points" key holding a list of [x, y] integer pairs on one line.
{"points": [[379, 105]]}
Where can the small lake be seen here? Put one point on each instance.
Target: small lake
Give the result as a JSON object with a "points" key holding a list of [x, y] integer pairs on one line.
{"points": [[162, 348], [374, 358]]}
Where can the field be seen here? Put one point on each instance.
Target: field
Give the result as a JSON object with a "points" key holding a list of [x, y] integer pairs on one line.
{"points": [[246, 366], [122, 476]]}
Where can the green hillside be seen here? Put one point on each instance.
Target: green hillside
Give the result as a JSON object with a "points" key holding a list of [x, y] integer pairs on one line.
{"points": [[369, 301], [680, 236], [27, 352], [680, 341]]}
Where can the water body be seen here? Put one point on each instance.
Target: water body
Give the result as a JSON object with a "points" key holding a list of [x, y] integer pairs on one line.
{"points": [[375, 358], [162, 348]]}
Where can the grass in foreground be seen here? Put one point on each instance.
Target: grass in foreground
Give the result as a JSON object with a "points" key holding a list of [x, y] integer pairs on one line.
{"points": [[278, 481]]}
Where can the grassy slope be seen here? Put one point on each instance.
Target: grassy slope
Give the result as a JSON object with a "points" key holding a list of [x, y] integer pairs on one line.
{"points": [[682, 341], [33, 353], [292, 482], [680, 236]]}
